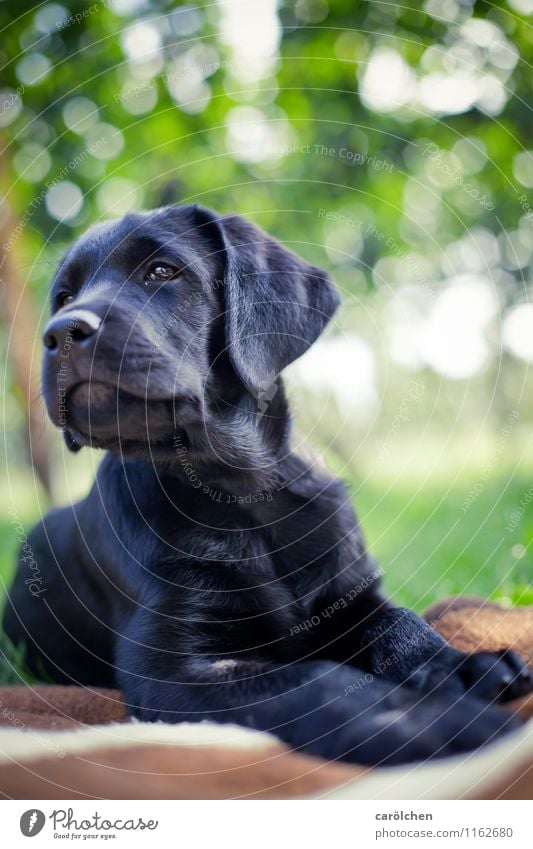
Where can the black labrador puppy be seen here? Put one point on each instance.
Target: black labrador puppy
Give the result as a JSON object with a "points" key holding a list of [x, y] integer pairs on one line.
{"points": [[211, 572]]}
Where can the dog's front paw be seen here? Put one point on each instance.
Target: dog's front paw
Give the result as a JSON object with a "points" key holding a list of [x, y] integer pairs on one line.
{"points": [[496, 676]]}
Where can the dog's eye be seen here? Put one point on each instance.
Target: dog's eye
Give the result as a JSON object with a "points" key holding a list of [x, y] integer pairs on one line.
{"points": [[63, 299], [161, 272]]}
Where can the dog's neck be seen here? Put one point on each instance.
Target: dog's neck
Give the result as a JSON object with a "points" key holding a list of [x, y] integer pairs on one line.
{"points": [[237, 448]]}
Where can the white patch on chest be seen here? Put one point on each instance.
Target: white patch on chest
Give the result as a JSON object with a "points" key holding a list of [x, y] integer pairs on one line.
{"points": [[225, 664]]}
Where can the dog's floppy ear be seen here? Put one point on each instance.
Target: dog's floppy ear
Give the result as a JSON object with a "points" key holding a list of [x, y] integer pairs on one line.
{"points": [[276, 304]]}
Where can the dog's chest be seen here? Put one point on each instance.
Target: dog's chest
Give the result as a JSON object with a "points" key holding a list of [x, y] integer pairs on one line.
{"points": [[255, 576]]}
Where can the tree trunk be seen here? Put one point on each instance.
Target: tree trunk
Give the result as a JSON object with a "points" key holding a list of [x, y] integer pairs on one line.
{"points": [[20, 325]]}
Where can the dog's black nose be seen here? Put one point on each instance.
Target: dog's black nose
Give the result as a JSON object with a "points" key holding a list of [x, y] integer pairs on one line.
{"points": [[72, 328]]}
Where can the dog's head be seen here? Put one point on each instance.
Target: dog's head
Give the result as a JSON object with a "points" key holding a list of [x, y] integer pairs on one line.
{"points": [[162, 318]]}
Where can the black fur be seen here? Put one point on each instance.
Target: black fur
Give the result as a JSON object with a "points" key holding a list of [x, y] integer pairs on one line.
{"points": [[211, 572]]}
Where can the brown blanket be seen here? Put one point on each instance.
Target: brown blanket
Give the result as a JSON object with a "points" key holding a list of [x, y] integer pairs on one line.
{"points": [[73, 743]]}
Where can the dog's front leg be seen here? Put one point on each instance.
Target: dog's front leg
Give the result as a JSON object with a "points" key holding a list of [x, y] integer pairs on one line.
{"points": [[323, 708], [396, 644]]}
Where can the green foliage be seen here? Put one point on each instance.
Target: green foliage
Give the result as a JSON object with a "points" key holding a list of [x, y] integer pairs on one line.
{"points": [[312, 98]]}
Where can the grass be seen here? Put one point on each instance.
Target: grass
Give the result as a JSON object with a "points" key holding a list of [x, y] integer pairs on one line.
{"points": [[429, 544], [12, 668], [431, 548]]}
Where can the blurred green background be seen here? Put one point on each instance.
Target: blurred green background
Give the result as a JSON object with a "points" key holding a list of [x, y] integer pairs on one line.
{"points": [[387, 143]]}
